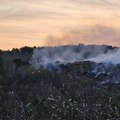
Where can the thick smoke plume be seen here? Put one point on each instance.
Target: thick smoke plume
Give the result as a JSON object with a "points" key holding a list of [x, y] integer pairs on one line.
{"points": [[43, 57]]}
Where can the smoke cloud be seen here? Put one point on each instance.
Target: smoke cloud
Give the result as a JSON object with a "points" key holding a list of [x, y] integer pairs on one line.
{"points": [[43, 57], [88, 35], [112, 58]]}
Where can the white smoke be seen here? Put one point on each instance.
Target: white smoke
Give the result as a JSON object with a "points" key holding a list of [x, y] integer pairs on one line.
{"points": [[43, 57], [110, 57]]}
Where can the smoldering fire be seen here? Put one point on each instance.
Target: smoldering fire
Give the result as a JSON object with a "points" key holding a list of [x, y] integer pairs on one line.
{"points": [[43, 57]]}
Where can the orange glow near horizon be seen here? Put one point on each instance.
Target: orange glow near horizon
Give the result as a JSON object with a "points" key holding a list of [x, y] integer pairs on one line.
{"points": [[53, 22]]}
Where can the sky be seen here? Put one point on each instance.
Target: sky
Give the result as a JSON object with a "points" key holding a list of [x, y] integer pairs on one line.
{"points": [[58, 22]]}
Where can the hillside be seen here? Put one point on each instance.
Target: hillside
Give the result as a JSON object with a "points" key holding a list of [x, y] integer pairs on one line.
{"points": [[59, 90]]}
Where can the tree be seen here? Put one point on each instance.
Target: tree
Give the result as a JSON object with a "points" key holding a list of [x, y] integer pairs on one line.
{"points": [[1, 62]]}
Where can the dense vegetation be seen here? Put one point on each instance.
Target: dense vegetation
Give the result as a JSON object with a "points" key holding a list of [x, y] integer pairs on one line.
{"points": [[74, 93]]}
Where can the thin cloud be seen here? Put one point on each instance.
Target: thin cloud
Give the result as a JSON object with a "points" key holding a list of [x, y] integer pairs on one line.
{"points": [[29, 9], [51, 8]]}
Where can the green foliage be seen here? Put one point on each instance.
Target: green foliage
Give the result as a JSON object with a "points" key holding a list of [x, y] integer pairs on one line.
{"points": [[34, 109], [115, 105], [44, 74]]}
